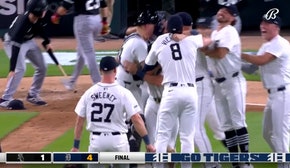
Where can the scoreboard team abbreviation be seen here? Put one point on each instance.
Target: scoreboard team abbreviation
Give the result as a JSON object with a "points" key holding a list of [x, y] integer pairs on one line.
{"points": [[138, 157]]}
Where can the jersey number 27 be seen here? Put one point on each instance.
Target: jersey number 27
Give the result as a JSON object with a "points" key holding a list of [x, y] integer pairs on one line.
{"points": [[98, 115]]}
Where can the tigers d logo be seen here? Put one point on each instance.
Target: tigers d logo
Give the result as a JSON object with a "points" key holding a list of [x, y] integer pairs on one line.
{"points": [[271, 14]]}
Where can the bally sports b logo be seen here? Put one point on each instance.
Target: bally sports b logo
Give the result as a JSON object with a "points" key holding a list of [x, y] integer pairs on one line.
{"points": [[271, 14]]}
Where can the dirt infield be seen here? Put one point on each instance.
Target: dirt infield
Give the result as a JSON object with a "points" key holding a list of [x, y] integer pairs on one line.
{"points": [[58, 116]]}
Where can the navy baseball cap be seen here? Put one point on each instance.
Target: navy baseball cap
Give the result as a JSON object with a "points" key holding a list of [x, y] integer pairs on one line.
{"points": [[108, 63], [186, 18], [272, 19], [174, 24], [232, 9], [204, 22]]}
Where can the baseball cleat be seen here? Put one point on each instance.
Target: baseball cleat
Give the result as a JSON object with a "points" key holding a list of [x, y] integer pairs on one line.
{"points": [[36, 100], [68, 84], [4, 103]]}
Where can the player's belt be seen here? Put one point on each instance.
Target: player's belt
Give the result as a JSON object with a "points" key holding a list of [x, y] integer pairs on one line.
{"points": [[177, 84], [279, 89], [199, 79], [112, 133], [220, 80], [157, 99]]}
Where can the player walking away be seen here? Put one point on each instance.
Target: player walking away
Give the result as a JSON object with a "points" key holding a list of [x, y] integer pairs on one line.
{"points": [[230, 84], [18, 45], [176, 53], [105, 106], [87, 23], [273, 58]]}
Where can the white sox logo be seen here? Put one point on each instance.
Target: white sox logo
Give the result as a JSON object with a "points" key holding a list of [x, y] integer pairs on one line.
{"points": [[271, 14]]}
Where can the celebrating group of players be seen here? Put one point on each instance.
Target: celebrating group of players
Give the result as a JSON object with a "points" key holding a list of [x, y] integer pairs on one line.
{"points": [[166, 75]]}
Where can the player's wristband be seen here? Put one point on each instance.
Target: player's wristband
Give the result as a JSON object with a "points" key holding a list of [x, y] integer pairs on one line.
{"points": [[140, 73], [146, 139], [77, 144]]}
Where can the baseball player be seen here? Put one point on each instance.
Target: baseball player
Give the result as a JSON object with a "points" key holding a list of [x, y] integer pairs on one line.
{"points": [[87, 24], [229, 84], [134, 50], [273, 58], [19, 44], [176, 53], [203, 85], [209, 8], [106, 106]]}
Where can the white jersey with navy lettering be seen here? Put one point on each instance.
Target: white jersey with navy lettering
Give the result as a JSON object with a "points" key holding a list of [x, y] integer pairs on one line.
{"points": [[179, 97], [277, 72], [227, 37], [106, 107], [174, 70]]}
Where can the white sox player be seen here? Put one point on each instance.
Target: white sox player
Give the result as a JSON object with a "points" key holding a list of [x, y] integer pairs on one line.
{"points": [[176, 53], [19, 45], [273, 58], [230, 84], [106, 106]]}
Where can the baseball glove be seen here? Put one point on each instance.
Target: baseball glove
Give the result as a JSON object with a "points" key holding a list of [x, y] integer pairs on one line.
{"points": [[73, 166]]}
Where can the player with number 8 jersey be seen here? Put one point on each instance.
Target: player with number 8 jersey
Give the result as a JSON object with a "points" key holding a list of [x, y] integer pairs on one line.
{"points": [[176, 53]]}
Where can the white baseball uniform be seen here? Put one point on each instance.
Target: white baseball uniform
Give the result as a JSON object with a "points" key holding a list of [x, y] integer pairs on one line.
{"points": [[230, 90], [134, 49], [151, 111], [275, 76], [230, 84], [106, 107], [205, 94], [179, 97]]}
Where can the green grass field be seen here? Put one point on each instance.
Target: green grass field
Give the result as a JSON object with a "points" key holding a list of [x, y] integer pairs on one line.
{"points": [[9, 121]]}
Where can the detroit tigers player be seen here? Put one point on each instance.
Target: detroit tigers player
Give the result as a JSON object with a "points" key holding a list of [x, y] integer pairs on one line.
{"points": [[19, 44], [230, 84], [176, 53], [106, 106], [273, 58], [204, 88], [134, 50], [87, 24]]}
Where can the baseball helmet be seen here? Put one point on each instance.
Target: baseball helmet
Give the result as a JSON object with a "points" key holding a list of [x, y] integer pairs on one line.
{"points": [[160, 26], [147, 17], [16, 105], [37, 7]]}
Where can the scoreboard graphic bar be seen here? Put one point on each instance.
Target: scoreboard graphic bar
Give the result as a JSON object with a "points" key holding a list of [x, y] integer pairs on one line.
{"points": [[28, 158], [75, 157], [138, 157]]}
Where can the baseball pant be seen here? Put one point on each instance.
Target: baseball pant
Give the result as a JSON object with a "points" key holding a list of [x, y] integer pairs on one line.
{"points": [[32, 52], [106, 142]]}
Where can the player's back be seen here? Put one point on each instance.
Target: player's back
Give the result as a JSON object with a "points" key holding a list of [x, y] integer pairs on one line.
{"points": [[177, 59], [108, 106]]}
